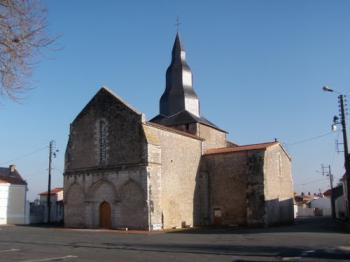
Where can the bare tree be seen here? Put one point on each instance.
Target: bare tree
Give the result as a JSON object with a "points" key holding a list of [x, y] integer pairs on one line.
{"points": [[22, 36]]}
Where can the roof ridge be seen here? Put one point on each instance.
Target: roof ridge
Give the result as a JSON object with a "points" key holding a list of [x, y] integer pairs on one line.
{"points": [[263, 143], [111, 91], [223, 150]]}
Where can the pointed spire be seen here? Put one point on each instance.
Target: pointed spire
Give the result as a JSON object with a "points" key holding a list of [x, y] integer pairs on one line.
{"points": [[179, 94], [178, 52]]}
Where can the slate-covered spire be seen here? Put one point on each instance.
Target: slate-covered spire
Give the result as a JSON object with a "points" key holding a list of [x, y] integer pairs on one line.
{"points": [[179, 94]]}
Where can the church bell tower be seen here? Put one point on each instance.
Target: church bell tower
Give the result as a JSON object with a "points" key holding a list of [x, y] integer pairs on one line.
{"points": [[179, 94], [179, 104]]}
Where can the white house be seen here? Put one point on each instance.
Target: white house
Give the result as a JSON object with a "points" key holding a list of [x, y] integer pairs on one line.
{"points": [[13, 197], [323, 204]]}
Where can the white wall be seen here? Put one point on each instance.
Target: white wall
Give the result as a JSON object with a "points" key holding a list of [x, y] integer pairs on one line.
{"points": [[56, 208], [321, 203], [4, 190], [60, 196], [295, 210], [13, 199], [305, 212], [340, 207]]}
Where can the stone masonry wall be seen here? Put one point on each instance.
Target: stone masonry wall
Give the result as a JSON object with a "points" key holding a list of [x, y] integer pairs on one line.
{"points": [[225, 177], [213, 138], [255, 188], [173, 181], [278, 186], [124, 190], [190, 128], [105, 133]]}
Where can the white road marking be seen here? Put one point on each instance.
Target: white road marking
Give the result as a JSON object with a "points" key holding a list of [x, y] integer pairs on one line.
{"points": [[9, 250], [307, 252], [291, 258], [344, 248], [50, 259]]}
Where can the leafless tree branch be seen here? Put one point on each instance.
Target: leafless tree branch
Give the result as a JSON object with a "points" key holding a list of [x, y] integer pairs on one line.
{"points": [[22, 36]]}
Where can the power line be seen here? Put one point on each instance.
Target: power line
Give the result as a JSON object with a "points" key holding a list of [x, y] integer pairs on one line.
{"points": [[309, 139], [23, 156], [312, 181]]}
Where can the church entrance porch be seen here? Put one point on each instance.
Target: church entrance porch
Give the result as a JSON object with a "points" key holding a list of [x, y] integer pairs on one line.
{"points": [[105, 215]]}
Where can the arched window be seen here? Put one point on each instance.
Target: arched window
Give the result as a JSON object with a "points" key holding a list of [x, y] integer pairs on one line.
{"points": [[102, 135]]}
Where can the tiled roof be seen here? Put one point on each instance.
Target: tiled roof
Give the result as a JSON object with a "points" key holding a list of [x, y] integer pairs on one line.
{"points": [[181, 118], [224, 150], [6, 176], [53, 191], [327, 193]]}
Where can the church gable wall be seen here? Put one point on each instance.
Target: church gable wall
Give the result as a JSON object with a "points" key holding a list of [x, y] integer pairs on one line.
{"points": [[172, 191], [106, 133], [213, 138], [278, 186], [223, 180]]}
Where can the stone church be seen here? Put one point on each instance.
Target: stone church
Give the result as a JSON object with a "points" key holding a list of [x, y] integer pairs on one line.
{"points": [[176, 170]]}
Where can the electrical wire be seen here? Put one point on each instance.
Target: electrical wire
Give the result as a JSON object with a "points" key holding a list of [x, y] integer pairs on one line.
{"points": [[312, 181], [309, 139], [25, 155]]}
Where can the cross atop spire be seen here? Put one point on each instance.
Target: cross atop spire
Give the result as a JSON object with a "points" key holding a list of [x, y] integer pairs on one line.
{"points": [[177, 24]]}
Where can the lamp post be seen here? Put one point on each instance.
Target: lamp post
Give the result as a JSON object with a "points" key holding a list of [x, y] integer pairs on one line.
{"points": [[342, 122]]}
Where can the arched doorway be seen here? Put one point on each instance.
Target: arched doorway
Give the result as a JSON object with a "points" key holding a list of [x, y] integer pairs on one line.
{"points": [[105, 215]]}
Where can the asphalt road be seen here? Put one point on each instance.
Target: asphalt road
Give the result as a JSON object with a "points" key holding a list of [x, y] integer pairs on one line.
{"points": [[307, 240]]}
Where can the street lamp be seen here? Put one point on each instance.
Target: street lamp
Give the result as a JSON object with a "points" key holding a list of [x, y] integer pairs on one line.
{"points": [[327, 89], [342, 122]]}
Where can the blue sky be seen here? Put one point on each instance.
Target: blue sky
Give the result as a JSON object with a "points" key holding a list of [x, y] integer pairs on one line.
{"points": [[258, 69]]}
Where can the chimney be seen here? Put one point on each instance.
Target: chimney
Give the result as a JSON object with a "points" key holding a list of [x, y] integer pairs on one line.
{"points": [[12, 168]]}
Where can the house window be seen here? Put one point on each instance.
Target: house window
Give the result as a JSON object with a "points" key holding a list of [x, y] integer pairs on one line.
{"points": [[102, 131]]}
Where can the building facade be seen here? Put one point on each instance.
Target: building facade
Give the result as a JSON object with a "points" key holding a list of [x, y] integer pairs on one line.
{"points": [[14, 208], [176, 170]]}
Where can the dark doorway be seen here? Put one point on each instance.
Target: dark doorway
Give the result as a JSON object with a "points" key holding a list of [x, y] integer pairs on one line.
{"points": [[105, 215]]}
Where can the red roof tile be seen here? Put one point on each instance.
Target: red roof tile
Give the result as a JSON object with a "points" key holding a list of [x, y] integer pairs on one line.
{"points": [[53, 191], [327, 193], [224, 150]]}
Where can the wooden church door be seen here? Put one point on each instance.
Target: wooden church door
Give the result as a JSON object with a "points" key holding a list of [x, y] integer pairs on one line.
{"points": [[105, 215]]}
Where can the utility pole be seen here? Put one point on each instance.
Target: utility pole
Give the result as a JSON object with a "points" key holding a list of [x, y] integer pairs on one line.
{"points": [[49, 185], [346, 151], [329, 174], [342, 122]]}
